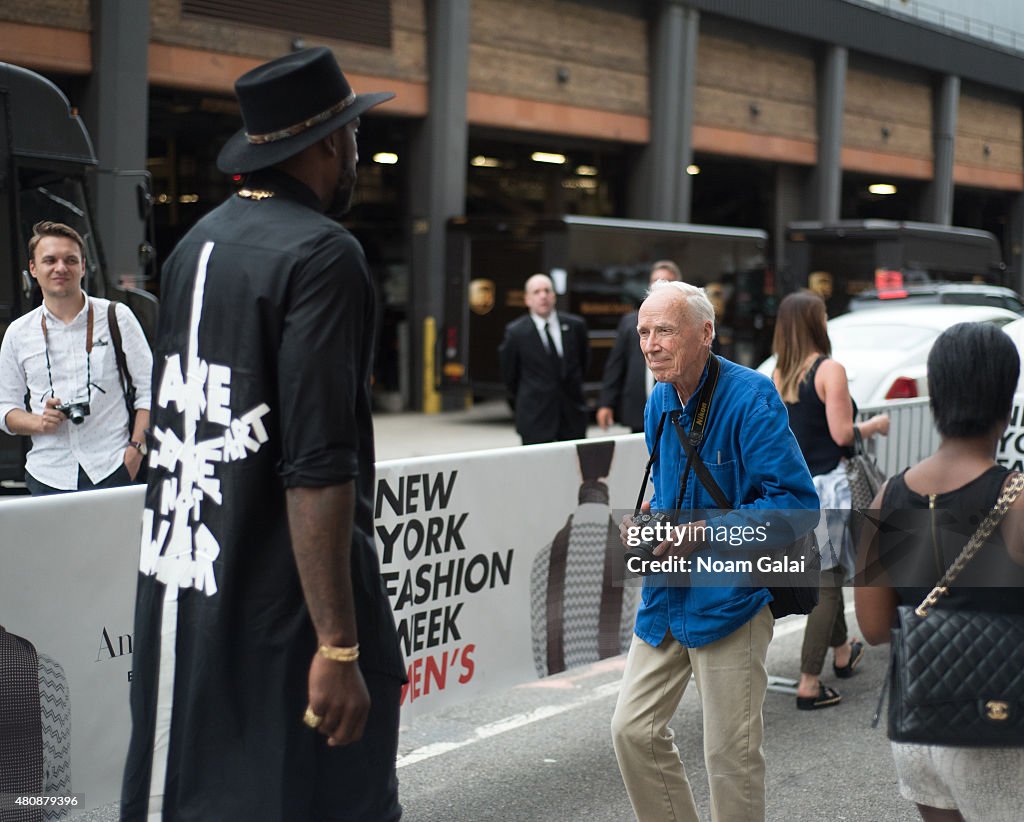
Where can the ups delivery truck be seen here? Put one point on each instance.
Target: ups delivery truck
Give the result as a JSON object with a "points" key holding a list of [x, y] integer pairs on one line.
{"points": [[47, 165]]}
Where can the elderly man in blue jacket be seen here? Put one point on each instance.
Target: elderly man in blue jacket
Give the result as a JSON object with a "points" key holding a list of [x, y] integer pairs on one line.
{"points": [[719, 633]]}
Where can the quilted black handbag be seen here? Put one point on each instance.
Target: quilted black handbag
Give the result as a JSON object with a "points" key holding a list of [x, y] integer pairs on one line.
{"points": [[863, 474], [957, 677]]}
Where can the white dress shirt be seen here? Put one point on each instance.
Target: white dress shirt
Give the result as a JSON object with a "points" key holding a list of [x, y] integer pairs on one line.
{"points": [[97, 444], [556, 330]]}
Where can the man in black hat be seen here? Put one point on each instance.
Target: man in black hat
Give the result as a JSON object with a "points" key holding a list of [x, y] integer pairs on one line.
{"points": [[267, 674]]}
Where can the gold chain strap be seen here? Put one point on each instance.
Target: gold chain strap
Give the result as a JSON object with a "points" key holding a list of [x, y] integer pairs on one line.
{"points": [[988, 525]]}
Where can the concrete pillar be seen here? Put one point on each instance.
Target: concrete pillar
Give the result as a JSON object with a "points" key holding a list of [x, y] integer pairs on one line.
{"points": [[664, 187], [938, 206], [438, 187], [116, 112], [828, 182]]}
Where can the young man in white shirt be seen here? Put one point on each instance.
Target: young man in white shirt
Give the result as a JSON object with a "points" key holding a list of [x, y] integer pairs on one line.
{"points": [[59, 376]]}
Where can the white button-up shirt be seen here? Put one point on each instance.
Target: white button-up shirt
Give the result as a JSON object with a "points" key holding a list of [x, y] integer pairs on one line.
{"points": [[556, 329], [97, 444]]}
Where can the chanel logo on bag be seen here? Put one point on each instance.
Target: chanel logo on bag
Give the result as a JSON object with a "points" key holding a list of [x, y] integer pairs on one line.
{"points": [[997, 710]]}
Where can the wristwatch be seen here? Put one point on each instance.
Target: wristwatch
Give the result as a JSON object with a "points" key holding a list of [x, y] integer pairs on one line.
{"points": [[140, 447]]}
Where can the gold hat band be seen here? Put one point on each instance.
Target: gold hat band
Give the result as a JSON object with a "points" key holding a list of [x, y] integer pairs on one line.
{"points": [[298, 128]]}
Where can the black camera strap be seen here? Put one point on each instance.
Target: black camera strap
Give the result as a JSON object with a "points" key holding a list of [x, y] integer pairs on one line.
{"points": [[691, 442], [650, 462], [88, 350], [702, 472], [124, 376]]}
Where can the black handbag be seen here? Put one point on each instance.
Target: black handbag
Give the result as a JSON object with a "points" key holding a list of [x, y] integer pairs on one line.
{"points": [[957, 677]]}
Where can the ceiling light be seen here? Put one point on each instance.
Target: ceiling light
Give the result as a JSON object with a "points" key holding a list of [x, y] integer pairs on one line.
{"points": [[480, 161], [882, 188], [586, 171], [385, 158], [547, 157], [692, 169]]}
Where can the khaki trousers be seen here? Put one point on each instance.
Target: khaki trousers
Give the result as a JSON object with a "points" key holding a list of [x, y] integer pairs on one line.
{"points": [[731, 680]]}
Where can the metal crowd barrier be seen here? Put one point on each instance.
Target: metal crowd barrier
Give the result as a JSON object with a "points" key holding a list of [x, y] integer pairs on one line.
{"points": [[912, 435]]}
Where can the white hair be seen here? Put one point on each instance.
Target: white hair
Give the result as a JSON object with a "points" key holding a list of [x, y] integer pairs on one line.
{"points": [[695, 299]]}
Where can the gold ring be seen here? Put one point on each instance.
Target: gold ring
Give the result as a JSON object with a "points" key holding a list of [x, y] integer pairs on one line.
{"points": [[311, 719]]}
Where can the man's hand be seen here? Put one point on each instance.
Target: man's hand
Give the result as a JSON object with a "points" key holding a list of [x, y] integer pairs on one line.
{"points": [[338, 694], [682, 544], [132, 461], [51, 419], [605, 417], [627, 524]]}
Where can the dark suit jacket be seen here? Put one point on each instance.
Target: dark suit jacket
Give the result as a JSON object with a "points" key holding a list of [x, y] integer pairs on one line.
{"points": [[624, 387], [549, 405]]}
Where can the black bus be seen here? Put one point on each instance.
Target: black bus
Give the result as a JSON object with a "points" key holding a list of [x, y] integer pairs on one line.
{"points": [[842, 259]]}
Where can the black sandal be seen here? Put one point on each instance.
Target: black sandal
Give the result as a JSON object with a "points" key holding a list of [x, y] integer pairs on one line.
{"points": [[826, 698], [856, 654]]}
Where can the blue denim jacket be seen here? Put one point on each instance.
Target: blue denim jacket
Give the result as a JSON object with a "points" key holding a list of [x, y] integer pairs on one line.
{"points": [[754, 457]]}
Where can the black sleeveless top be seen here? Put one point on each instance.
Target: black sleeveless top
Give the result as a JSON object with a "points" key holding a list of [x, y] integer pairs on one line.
{"points": [[921, 536], [810, 427]]}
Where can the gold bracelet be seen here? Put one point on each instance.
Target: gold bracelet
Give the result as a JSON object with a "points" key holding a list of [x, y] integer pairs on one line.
{"points": [[336, 654]]}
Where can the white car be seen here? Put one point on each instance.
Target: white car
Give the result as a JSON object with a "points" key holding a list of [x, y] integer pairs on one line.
{"points": [[1016, 332], [885, 350]]}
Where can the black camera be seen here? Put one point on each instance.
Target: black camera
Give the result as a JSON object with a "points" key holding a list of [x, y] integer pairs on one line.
{"points": [[74, 411], [645, 550]]}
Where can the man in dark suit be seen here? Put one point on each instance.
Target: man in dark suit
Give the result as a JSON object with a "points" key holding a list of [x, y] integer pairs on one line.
{"points": [[625, 385], [543, 359]]}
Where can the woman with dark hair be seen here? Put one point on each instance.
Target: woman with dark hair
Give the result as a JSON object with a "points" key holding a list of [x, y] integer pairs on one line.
{"points": [[926, 516], [821, 414]]}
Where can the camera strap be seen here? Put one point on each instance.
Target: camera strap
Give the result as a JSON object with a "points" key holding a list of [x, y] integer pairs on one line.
{"points": [[695, 436], [124, 376], [88, 349], [650, 462], [691, 441]]}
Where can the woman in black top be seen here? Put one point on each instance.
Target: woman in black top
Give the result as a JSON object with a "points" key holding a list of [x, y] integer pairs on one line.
{"points": [[821, 413], [928, 513]]}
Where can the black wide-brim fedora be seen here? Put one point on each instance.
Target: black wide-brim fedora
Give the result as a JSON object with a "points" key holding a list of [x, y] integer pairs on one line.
{"points": [[287, 105]]}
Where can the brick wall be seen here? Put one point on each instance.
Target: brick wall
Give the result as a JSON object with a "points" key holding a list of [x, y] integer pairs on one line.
{"points": [[518, 46], [994, 121], [746, 85], [405, 60], [888, 113], [62, 14]]}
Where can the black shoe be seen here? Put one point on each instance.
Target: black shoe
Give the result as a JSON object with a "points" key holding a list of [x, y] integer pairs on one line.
{"points": [[856, 654], [826, 698]]}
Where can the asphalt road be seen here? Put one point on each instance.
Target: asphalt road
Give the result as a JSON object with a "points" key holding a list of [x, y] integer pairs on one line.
{"points": [[542, 751]]}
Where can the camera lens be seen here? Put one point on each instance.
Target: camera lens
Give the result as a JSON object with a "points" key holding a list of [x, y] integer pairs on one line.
{"points": [[642, 553]]}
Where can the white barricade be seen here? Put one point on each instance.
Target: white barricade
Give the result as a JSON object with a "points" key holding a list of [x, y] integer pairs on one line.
{"points": [[496, 572], [67, 584], [912, 435]]}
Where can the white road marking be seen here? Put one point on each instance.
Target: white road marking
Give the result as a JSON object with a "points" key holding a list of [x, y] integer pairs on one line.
{"points": [[507, 724]]}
